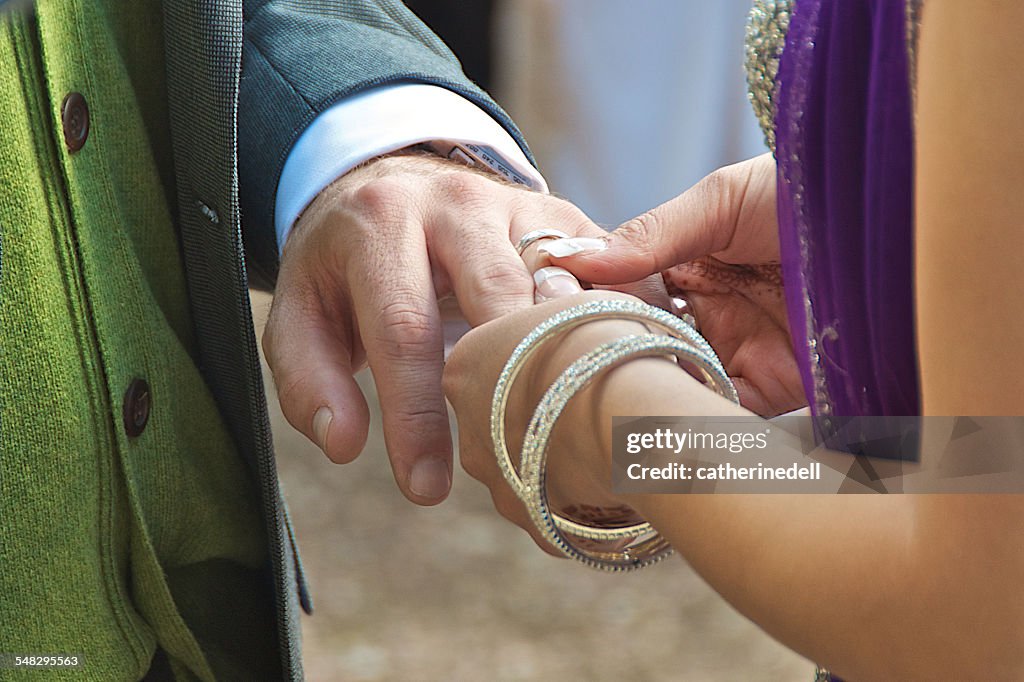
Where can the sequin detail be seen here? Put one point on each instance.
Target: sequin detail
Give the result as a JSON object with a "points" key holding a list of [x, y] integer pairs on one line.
{"points": [[913, 34], [767, 25], [790, 160]]}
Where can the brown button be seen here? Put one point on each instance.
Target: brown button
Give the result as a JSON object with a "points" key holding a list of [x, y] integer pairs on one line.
{"points": [[74, 118], [137, 402]]}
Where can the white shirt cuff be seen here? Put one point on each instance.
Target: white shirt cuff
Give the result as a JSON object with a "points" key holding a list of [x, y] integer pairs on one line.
{"points": [[382, 120]]}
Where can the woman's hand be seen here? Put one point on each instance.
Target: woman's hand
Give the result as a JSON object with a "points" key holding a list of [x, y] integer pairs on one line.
{"points": [[718, 248], [741, 311], [578, 474]]}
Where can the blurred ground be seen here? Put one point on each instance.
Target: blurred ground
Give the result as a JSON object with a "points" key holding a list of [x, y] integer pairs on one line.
{"points": [[456, 593]]}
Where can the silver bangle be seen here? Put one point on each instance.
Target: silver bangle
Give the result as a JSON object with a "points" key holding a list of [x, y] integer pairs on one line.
{"points": [[705, 360], [646, 550]]}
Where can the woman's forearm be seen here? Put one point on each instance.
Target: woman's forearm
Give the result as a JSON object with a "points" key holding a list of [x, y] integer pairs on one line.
{"points": [[875, 586], [970, 209]]}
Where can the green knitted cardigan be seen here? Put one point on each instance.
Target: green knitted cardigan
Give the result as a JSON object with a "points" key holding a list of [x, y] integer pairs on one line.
{"points": [[111, 546]]}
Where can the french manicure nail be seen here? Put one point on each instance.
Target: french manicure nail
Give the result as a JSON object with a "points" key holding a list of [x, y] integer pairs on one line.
{"points": [[430, 478], [322, 425], [554, 282], [560, 248]]}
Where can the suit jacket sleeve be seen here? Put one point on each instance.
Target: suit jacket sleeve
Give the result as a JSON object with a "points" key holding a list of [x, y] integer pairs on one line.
{"points": [[298, 58]]}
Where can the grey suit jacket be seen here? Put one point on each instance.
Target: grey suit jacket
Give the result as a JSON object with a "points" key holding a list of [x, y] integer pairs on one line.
{"points": [[243, 82]]}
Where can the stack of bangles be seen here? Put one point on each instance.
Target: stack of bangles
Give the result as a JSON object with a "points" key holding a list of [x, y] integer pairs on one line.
{"points": [[604, 547]]}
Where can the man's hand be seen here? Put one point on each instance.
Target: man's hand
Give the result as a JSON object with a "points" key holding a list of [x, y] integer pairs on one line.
{"points": [[359, 282]]}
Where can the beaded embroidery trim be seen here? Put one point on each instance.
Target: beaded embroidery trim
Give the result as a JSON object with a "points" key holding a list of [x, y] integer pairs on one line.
{"points": [[767, 25]]}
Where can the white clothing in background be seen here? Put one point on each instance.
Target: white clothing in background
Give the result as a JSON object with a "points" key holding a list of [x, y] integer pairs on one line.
{"points": [[625, 104]]}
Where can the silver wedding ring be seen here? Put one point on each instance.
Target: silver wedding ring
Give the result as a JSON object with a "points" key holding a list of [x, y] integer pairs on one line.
{"points": [[536, 236]]}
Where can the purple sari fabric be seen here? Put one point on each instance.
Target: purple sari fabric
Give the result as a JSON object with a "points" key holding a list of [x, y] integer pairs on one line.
{"points": [[844, 144]]}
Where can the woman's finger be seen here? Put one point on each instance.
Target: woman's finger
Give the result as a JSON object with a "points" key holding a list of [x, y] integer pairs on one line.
{"points": [[711, 217]]}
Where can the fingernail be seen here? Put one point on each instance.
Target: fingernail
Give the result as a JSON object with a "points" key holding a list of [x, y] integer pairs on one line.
{"points": [[555, 282], [560, 248], [430, 478], [322, 425]]}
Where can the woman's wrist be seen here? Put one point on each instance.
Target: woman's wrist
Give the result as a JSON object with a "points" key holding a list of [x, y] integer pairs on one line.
{"points": [[639, 387], [578, 469]]}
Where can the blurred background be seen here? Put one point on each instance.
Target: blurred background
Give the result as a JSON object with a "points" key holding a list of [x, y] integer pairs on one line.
{"points": [[625, 105]]}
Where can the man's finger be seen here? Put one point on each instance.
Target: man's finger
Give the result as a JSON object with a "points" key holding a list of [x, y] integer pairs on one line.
{"points": [[550, 281], [488, 276], [312, 367], [393, 296], [549, 285]]}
